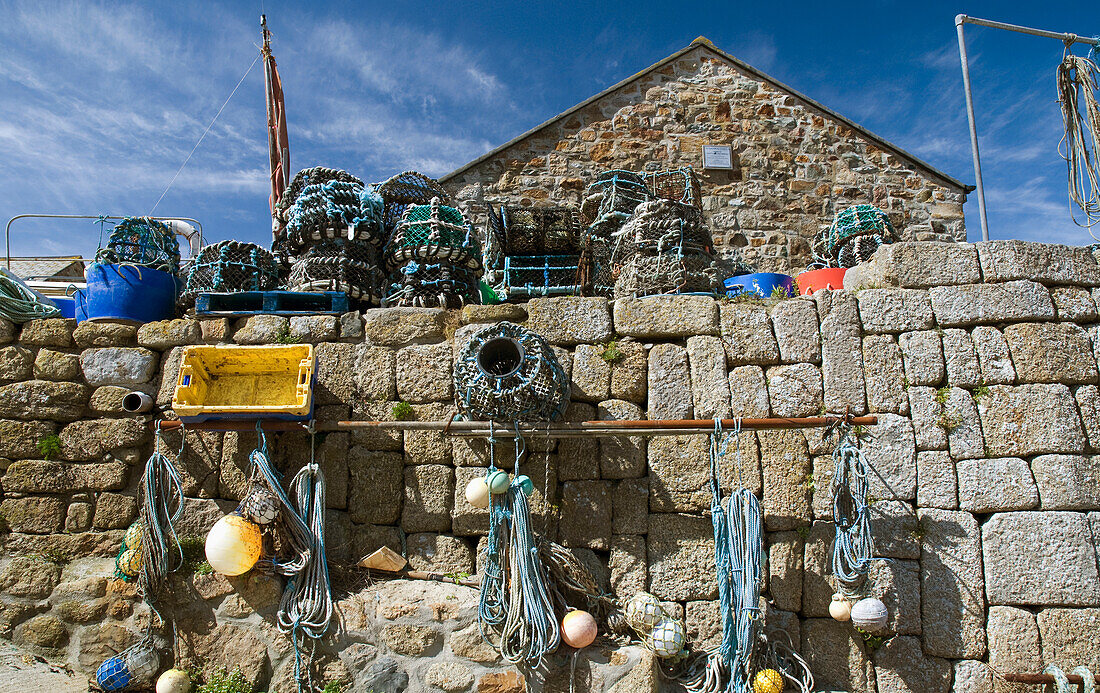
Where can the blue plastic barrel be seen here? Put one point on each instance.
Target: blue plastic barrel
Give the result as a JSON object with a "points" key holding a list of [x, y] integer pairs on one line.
{"points": [[761, 283], [127, 293]]}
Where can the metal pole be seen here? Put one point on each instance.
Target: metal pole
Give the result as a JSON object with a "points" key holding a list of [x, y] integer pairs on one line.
{"points": [[1061, 36], [973, 127]]}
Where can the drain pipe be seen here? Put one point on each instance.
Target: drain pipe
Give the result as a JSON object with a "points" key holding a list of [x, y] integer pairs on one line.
{"points": [[137, 402]]}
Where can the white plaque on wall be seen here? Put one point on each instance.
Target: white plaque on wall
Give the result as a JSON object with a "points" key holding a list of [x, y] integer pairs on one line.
{"points": [[717, 156]]}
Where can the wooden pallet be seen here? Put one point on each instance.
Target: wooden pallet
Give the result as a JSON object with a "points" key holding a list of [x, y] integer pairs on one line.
{"points": [[246, 303]]}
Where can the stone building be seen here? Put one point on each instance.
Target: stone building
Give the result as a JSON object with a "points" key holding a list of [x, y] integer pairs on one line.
{"points": [[794, 163]]}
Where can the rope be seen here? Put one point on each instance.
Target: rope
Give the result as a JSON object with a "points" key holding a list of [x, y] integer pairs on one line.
{"points": [[1080, 145], [1062, 684], [853, 547], [162, 505], [18, 304]]}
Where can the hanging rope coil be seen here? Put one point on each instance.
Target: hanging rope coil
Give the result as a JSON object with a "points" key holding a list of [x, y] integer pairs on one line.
{"points": [[141, 241], [18, 304], [161, 506], [1080, 145], [853, 546]]}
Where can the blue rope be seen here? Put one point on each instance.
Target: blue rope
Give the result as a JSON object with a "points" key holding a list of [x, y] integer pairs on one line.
{"points": [[853, 547], [162, 505]]}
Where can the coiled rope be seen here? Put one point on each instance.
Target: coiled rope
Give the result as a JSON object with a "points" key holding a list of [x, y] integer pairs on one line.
{"points": [[161, 507], [19, 304], [853, 547], [1062, 684], [1080, 145]]}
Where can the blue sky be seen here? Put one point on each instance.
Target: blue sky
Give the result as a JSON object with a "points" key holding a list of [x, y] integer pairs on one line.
{"points": [[101, 102]]}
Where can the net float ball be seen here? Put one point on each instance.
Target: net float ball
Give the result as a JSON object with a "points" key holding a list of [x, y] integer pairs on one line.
{"points": [[174, 681], [525, 484], [498, 482], [765, 681], [840, 609], [129, 562], [869, 614], [133, 536], [261, 506], [643, 611], [477, 492], [233, 545], [667, 638], [578, 629]]}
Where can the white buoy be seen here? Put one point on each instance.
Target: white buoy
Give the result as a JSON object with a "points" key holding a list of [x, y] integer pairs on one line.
{"points": [[233, 545], [477, 492], [578, 629], [174, 681], [840, 608], [869, 614]]}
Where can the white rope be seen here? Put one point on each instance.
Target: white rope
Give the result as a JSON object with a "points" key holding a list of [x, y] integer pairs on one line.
{"points": [[1080, 145]]}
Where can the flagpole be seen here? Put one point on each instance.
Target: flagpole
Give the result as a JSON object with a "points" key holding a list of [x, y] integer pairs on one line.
{"points": [[274, 155]]}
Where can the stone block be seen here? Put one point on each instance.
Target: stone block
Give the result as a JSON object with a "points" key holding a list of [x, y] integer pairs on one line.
{"points": [[591, 375], [1073, 304], [901, 666], [42, 399], [568, 320], [90, 439], [449, 676], [429, 498], [663, 317], [1040, 558], [891, 454], [169, 375], [16, 363], [972, 676], [916, 265], [895, 527], [1048, 263], [680, 550], [467, 520], [118, 365], [439, 553], [429, 447], [747, 334], [703, 621], [628, 565], [33, 577], [795, 390], [963, 425], [841, 352], [1030, 420], [952, 588], [7, 331], [55, 365], [630, 506], [19, 439], [628, 374], [621, 457], [669, 383], [104, 334], [424, 373], [884, 375], [1057, 352], [586, 514], [936, 481], [35, 514], [350, 327], [114, 511], [976, 304], [165, 334], [929, 413], [786, 465], [886, 311], [511, 312], [961, 359], [922, 355], [217, 330], [794, 322], [1013, 640], [993, 356], [897, 584], [261, 329], [350, 372], [50, 332], [1088, 404], [836, 655], [785, 554], [996, 485], [1070, 637], [1068, 482], [817, 588], [394, 327], [679, 473], [376, 486], [580, 457], [749, 393], [709, 379]]}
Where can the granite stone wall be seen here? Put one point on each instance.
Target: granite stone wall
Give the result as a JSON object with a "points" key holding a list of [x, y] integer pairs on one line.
{"points": [[795, 166], [980, 362]]}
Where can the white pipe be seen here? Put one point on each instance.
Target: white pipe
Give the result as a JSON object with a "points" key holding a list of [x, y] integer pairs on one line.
{"points": [[959, 20], [137, 402]]}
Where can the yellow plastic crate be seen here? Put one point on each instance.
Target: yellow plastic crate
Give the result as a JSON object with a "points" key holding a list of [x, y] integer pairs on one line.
{"points": [[245, 382]]}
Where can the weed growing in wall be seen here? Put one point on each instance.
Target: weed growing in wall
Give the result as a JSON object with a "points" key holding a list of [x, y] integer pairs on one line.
{"points": [[49, 446], [402, 411], [611, 352]]}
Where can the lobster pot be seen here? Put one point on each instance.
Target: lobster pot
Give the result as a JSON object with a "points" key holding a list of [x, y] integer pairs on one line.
{"points": [[676, 184], [541, 230], [527, 276], [856, 233], [436, 233], [231, 266], [406, 189], [597, 276], [130, 669], [142, 241], [508, 373], [323, 204], [663, 226], [648, 275], [612, 198], [339, 265], [432, 285]]}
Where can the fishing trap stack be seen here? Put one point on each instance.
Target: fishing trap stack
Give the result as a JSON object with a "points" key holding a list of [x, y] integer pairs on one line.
{"points": [[854, 236], [433, 258], [141, 241], [230, 267], [405, 189], [676, 184], [664, 249], [609, 202], [331, 234], [533, 251]]}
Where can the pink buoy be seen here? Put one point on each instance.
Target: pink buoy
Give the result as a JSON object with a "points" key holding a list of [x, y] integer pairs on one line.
{"points": [[578, 629]]}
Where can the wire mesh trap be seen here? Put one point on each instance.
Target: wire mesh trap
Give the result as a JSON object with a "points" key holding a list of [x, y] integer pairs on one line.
{"points": [[432, 285], [323, 204], [611, 199], [230, 266], [541, 230], [508, 373], [664, 248], [141, 241], [855, 234], [526, 276], [676, 184], [433, 232], [404, 189], [339, 265]]}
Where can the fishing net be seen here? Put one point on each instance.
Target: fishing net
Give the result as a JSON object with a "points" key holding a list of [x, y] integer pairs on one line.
{"points": [[541, 230], [611, 199], [663, 226], [230, 266], [432, 285], [663, 249], [404, 189], [493, 251], [433, 232], [856, 233], [141, 241], [648, 275], [339, 265], [508, 373], [324, 204], [676, 184]]}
